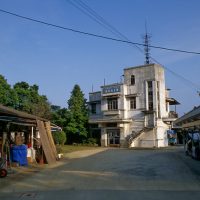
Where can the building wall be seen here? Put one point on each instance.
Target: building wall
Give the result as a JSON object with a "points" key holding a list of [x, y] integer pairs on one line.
{"points": [[138, 118]]}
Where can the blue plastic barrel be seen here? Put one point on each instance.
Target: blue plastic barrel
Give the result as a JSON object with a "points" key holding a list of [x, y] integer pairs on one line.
{"points": [[19, 154]]}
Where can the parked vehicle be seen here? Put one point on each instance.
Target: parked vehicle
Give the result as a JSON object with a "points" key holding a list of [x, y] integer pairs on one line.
{"points": [[192, 144]]}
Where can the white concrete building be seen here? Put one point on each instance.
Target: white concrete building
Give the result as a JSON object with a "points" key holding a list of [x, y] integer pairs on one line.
{"points": [[134, 113]]}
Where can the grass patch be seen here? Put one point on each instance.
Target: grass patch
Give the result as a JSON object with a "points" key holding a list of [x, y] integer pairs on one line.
{"points": [[71, 148]]}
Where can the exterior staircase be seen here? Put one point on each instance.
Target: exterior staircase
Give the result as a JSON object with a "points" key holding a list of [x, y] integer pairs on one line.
{"points": [[134, 135]]}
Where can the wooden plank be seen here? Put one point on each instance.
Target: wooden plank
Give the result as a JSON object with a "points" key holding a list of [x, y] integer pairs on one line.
{"points": [[50, 157], [49, 134]]}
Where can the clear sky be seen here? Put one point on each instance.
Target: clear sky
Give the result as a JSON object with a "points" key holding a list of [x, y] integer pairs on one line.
{"points": [[56, 60]]}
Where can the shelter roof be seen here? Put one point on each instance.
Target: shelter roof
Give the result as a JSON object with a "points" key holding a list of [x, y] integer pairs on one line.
{"points": [[194, 114], [18, 117], [172, 101]]}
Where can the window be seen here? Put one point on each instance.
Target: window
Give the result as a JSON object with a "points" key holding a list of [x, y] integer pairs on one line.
{"points": [[112, 104], [158, 98], [150, 86], [133, 103], [93, 108], [132, 79], [150, 94], [113, 136]]}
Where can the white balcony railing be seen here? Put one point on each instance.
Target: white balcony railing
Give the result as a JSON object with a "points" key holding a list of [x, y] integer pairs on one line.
{"points": [[111, 112]]}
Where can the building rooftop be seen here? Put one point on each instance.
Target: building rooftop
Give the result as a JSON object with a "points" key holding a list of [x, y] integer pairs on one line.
{"points": [[194, 114], [142, 66]]}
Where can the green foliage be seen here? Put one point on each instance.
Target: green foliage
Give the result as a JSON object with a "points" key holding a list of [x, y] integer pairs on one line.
{"points": [[25, 97], [91, 141], [78, 116], [59, 116], [59, 137], [30, 101], [8, 96]]}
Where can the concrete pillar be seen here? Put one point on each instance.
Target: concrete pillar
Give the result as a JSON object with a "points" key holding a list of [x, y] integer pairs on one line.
{"points": [[104, 137]]}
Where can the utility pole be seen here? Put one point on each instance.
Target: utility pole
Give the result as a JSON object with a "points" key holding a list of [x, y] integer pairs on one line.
{"points": [[146, 46]]}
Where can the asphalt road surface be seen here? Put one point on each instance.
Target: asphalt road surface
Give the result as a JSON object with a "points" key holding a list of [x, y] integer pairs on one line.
{"points": [[110, 174]]}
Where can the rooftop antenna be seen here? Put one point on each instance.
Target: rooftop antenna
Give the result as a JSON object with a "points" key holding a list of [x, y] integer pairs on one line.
{"points": [[121, 78], [146, 45]]}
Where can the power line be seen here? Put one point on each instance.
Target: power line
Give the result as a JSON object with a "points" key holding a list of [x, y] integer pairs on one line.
{"points": [[88, 10], [178, 75], [105, 37], [95, 35], [106, 24], [89, 15], [98, 17]]}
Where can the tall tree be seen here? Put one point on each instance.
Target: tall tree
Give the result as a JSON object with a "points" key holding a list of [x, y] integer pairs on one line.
{"points": [[60, 116], [78, 116], [8, 96], [29, 100]]}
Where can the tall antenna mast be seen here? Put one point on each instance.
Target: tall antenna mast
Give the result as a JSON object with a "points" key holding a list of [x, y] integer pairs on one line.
{"points": [[146, 46]]}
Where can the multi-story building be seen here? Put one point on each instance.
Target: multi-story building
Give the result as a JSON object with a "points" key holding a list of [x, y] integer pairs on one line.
{"points": [[134, 113]]}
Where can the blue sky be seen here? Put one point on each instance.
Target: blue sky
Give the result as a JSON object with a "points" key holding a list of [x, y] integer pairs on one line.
{"points": [[56, 60]]}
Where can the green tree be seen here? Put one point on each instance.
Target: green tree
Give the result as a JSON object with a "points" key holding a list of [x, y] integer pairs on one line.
{"points": [[59, 137], [29, 100], [60, 116], [8, 96], [77, 117]]}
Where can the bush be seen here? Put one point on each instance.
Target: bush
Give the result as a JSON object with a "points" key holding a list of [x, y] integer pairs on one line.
{"points": [[59, 149], [90, 142], [59, 137]]}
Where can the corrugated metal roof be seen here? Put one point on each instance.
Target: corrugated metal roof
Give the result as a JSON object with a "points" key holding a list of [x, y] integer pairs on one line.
{"points": [[194, 113]]}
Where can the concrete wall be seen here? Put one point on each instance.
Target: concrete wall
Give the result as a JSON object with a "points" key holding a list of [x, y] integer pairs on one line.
{"points": [[146, 139], [143, 74], [104, 137]]}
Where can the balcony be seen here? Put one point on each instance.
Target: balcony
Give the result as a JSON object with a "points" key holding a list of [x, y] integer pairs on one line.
{"points": [[111, 112], [94, 97], [172, 116]]}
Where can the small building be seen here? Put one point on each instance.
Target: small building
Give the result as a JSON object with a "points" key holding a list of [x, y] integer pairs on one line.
{"points": [[135, 112], [190, 120], [22, 129]]}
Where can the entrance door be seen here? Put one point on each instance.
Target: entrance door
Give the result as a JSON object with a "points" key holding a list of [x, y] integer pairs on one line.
{"points": [[113, 137]]}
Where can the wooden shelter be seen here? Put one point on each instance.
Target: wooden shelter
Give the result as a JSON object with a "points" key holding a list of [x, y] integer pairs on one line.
{"points": [[9, 116]]}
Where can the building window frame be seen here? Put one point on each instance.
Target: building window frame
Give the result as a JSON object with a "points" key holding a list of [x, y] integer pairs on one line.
{"points": [[133, 104], [150, 95], [112, 103], [132, 79], [93, 108]]}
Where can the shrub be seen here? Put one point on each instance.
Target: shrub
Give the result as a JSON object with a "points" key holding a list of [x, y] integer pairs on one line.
{"points": [[92, 141], [59, 137]]}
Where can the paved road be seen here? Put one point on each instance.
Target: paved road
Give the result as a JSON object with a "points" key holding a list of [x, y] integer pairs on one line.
{"points": [[111, 174]]}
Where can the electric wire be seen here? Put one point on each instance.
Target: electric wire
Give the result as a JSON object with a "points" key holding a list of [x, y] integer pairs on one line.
{"points": [[105, 37], [90, 16], [96, 35], [195, 86], [100, 18], [104, 22]]}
